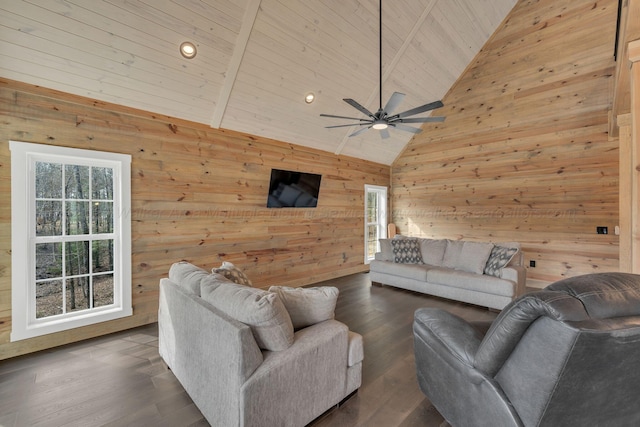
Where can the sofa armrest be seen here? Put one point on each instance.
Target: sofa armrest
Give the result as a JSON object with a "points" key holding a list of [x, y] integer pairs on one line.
{"points": [[296, 385], [517, 274]]}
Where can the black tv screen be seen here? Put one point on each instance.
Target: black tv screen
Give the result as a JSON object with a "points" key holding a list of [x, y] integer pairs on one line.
{"points": [[289, 189]]}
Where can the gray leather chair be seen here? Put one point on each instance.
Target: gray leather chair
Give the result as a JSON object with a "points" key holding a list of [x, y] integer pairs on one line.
{"points": [[568, 355]]}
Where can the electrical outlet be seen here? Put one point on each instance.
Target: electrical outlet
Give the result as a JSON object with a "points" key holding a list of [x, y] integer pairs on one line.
{"points": [[532, 263]]}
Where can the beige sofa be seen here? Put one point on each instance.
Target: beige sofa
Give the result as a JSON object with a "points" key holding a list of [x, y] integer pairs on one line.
{"points": [[486, 274], [235, 351]]}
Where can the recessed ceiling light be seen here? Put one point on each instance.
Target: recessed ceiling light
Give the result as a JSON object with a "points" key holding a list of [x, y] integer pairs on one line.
{"points": [[309, 98], [188, 50]]}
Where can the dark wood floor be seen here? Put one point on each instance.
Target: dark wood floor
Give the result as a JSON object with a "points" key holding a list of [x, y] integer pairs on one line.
{"points": [[120, 380]]}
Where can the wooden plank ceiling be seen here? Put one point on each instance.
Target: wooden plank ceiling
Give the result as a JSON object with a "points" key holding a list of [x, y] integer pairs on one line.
{"points": [[256, 60]]}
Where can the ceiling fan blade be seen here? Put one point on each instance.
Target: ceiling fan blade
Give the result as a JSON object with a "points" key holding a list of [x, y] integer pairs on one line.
{"points": [[340, 117], [420, 109], [359, 107], [393, 102], [358, 132], [384, 133], [349, 125], [400, 126], [420, 120]]}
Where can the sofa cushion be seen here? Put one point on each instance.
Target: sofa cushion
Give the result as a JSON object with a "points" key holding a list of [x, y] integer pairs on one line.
{"points": [[471, 281], [262, 311], [500, 257], [409, 271], [308, 306], [473, 257], [191, 277], [451, 253], [406, 251], [232, 273], [386, 250], [432, 251]]}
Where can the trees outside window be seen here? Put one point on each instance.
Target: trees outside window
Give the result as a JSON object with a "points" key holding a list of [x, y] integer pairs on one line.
{"points": [[73, 268]]}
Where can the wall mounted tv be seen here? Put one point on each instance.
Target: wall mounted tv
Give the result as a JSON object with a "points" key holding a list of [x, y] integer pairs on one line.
{"points": [[289, 189]]}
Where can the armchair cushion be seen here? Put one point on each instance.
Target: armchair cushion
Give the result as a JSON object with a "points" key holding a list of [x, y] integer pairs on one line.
{"points": [[308, 306], [262, 311], [191, 277]]}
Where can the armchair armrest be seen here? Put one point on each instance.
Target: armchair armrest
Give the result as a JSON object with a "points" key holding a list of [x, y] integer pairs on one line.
{"points": [[304, 380], [448, 331], [445, 351]]}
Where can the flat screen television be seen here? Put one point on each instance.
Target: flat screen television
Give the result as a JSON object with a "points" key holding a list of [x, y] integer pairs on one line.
{"points": [[290, 189]]}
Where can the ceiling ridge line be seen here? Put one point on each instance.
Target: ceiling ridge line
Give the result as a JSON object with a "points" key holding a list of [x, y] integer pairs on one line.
{"points": [[394, 62], [233, 68]]}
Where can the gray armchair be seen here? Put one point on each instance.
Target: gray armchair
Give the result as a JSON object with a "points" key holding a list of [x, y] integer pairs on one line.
{"points": [[568, 355]]}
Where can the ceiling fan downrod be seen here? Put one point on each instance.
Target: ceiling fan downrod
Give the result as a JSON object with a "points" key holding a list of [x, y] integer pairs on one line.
{"points": [[382, 119]]}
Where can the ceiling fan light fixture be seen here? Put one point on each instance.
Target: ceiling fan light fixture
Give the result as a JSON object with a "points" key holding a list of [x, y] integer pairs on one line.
{"points": [[379, 125], [188, 50]]}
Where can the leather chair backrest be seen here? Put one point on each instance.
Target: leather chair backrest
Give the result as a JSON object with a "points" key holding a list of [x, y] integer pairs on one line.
{"points": [[603, 295], [570, 352], [591, 296]]}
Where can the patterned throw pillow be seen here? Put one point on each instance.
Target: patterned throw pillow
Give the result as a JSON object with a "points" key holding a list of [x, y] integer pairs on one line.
{"points": [[500, 256], [232, 273], [406, 251]]}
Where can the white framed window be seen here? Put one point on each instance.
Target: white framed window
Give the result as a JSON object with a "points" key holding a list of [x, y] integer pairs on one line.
{"points": [[375, 222], [71, 238]]}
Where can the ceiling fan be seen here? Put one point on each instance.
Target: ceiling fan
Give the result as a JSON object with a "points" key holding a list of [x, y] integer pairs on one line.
{"points": [[383, 118]]}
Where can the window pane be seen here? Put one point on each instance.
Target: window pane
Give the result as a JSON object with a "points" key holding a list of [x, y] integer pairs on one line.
{"points": [[48, 260], [48, 218], [77, 218], [102, 217], [77, 182], [372, 206], [102, 183], [77, 293], [102, 256], [48, 298], [77, 258], [48, 180], [102, 290], [372, 240]]}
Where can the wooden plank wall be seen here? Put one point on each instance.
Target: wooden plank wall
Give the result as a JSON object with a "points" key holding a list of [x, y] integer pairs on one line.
{"points": [[524, 154], [198, 194], [634, 143]]}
